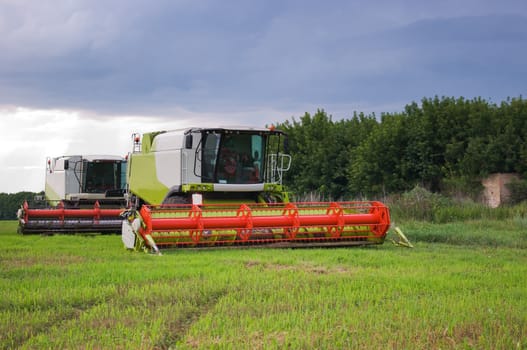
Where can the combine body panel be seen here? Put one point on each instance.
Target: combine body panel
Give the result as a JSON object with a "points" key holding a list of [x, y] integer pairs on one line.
{"points": [[82, 194], [223, 186]]}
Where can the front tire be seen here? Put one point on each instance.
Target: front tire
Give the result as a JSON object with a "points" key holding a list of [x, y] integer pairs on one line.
{"points": [[176, 199]]}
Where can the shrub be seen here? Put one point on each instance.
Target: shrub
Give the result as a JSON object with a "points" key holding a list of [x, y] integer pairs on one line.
{"points": [[417, 204], [518, 190], [462, 188], [422, 205]]}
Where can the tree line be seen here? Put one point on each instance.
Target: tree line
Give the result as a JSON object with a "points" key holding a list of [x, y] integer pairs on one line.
{"points": [[442, 144], [10, 202]]}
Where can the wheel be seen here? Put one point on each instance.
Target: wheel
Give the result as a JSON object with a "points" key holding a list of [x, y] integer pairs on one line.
{"points": [[176, 199], [71, 204]]}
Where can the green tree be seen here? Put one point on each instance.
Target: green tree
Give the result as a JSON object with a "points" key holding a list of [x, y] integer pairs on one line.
{"points": [[377, 167], [11, 202], [441, 141], [321, 151]]}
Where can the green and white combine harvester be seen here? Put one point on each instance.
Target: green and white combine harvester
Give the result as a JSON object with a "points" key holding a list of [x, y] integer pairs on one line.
{"points": [[82, 194], [208, 187]]}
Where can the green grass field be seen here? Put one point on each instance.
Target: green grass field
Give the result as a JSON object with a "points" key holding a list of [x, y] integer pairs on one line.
{"points": [[464, 285]]}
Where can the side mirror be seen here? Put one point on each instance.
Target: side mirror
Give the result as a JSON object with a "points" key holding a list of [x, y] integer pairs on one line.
{"points": [[66, 164], [188, 141]]}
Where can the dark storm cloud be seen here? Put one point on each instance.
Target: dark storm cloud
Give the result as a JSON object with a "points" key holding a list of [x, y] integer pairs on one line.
{"points": [[462, 56], [154, 57]]}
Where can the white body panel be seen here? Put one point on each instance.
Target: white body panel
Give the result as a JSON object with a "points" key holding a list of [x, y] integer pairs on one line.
{"points": [[60, 181], [239, 187], [168, 141], [56, 182], [168, 167], [174, 163], [128, 230]]}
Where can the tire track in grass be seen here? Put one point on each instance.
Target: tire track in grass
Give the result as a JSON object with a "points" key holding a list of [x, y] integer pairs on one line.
{"points": [[57, 319], [178, 328]]}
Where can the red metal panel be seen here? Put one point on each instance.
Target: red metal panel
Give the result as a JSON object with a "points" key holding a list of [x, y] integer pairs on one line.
{"points": [[61, 213]]}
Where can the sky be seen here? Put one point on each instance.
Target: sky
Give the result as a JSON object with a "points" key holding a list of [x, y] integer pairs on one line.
{"points": [[80, 76]]}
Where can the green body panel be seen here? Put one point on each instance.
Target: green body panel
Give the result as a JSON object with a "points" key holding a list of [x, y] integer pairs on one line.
{"points": [[148, 139], [51, 195], [189, 188], [143, 180], [278, 191]]}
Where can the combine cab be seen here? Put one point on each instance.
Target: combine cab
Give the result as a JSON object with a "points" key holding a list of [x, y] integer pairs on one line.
{"points": [[203, 187], [83, 194]]}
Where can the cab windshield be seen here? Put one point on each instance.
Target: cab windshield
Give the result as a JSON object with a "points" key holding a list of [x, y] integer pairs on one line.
{"points": [[102, 176], [230, 158]]}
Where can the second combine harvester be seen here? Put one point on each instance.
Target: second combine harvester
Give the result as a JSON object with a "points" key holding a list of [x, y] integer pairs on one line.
{"points": [[84, 193], [223, 186]]}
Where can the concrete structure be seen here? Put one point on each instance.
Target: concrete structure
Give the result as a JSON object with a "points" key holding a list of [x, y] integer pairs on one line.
{"points": [[495, 190]]}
